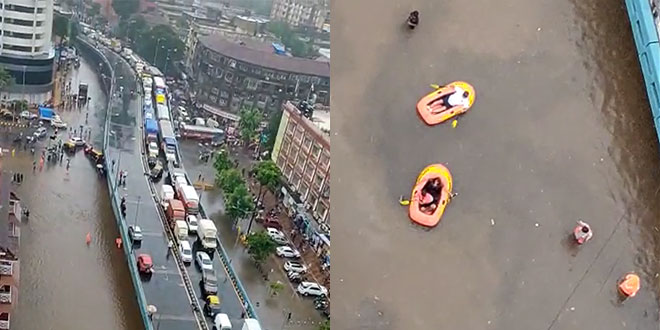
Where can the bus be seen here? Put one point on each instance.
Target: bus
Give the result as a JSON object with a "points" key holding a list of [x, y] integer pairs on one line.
{"points": [[202, 132]]}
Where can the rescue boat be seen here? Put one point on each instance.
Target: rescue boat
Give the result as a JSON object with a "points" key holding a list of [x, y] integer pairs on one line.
{"points": [[629, 285], [416, 214], [430, 104]]}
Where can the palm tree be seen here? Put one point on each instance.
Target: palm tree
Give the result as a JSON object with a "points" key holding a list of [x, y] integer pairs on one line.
{"points": [[6, 79]]}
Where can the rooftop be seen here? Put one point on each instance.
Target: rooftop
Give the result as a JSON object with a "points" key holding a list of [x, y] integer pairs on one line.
{"points": [[321, 118], [251, 53]]}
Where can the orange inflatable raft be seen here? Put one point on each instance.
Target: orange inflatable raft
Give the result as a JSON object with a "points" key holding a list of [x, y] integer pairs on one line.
{"points": [[629, 285], [414, 210], [428, 107]]}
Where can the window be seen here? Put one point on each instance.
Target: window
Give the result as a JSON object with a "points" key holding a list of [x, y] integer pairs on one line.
{"points": [[21, 9], [232, 64], [318, 180], [316, 80], [228, 77], [291, 128], [316, 151], [304, 189], [281, 76], [222, 102], [18, 35], [215, 91], [295, 181], [243, 67], [324, 161], [321, 210], [21, 22], [18, 48], [307, 143], [224, 94], [288, 171], [251, 83], [218, 72]]}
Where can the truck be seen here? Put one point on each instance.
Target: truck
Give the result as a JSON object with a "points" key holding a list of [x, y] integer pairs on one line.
{"points": [[162, 112], [206, 236], [126, 53], [180, 230], [168, 140], [251, 324], [190, 199], [151, 130], [175, 211]]}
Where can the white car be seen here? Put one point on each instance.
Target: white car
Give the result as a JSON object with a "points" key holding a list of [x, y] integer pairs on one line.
{"points": [[135, 232], [77, 141], [186, 251], [192, 223], [203, 260], [272, 232], [28, 115], [57, 123], [312, 289], [153, 149], [287, 252], [295, 267]]}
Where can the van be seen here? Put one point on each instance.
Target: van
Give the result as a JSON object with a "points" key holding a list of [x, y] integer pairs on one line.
{"points": [[181, 229], [221, 322]]}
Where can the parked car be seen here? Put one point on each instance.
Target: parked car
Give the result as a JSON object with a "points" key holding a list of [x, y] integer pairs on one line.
{"points": [[287, 252], [272, 223], [203, 260], [295, 266], [186, 251], [135, 232], [144, 263], [209, 282], [295, 277], [277, 236], [312, 289], [77, 141], [57, 123], [40, 132], [192, 223], [28, 115]]}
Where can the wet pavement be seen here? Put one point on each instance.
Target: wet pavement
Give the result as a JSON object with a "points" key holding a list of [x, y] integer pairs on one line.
{"points": [[272, 311], [66, 284], [165, 288], [560, 131]]}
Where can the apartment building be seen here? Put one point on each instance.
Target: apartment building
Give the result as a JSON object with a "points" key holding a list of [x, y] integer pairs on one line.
{"points": [[307, 13], [26, 50], [302, 153], [10, 216]]}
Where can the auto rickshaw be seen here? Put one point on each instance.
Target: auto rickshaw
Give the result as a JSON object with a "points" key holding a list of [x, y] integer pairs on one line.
{"points": [[212, 306], [96, 156], [69, 146]]}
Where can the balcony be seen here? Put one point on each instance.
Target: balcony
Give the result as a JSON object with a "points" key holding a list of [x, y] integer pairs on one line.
{"points": [[4, 321], [6, 268], [5, 294]]}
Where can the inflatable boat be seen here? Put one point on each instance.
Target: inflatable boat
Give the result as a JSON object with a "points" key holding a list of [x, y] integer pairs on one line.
{"points": [[432, 109], [416, 211]]}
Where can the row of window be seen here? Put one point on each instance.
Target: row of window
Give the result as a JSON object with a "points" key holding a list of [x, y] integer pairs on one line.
{"points": [[28, 36], [27, 49], [22, 22], [23, 9]]}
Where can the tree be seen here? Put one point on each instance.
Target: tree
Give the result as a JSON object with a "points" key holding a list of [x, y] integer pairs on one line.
{"points": [[271, 131], [268, 175], [248, 123], [94, 9], [229, 180], [239, 203], [275, 287], [125, 8], [289, 38], [162, 43], [260, 246], [6, 79], [133, 29], [60, 26], [222, 162], [325, 325]]}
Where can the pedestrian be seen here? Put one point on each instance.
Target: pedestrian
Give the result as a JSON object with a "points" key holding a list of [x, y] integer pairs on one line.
{"points": [[199, 177], [68, 163], [113, 165]]}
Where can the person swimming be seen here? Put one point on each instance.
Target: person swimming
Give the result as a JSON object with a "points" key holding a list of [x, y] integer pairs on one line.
{"points": [[413, 19]]}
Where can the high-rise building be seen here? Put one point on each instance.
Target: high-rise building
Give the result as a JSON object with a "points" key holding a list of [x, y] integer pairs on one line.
{"points": [[26, 50], [10, 217], [309, 13]]}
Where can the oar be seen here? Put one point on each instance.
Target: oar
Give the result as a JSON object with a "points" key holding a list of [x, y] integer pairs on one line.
{"points": [[436, 86], [403, 202]]}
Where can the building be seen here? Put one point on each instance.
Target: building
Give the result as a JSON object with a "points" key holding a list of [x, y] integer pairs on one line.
{"points": [[230, 75], [302, 153], [305, 13], [26, 50], [10, 216]]}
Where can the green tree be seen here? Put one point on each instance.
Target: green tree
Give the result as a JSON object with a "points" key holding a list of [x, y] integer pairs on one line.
{"points": [[6, 79], [60, 26], [222, 162], [162, 43], [268, 175], [260, 246], [94, 9], [229, 180], [289, 38], [125, 8], [325, 325], [271, 131], [133, 29], [239, 203], [275, 287], [248, 124]]}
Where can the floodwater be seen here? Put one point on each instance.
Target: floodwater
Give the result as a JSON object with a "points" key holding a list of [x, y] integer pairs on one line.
{"points": [[66, 284], [560, 131]]}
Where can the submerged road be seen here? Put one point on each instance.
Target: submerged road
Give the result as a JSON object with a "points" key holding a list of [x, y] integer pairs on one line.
{"points": [[560, 131], [66, 284]]}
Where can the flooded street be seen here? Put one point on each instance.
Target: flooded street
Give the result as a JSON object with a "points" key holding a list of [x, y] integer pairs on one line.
{"points": [[561, 130], [66, 284]]}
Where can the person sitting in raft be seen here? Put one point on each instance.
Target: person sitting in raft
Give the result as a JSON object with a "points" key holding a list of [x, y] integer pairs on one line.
{"points": [[430, 194], [459, 97], [413, 19], [584, 233]]}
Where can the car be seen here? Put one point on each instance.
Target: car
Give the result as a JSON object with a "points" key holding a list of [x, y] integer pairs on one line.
{"points": [[6, 114], [212, 306], [203, 260], [192, 223], [77, 141], [28, 115], [277, 236], [295, 277], [287, 252], [135, 233], [144, 263], [151, 161], [312, 289], [272, 223], [153, 149], [209, 282], [295, 266], [40, 132], [186, 251], [221, 322], [57, 123], [280, 240]]}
